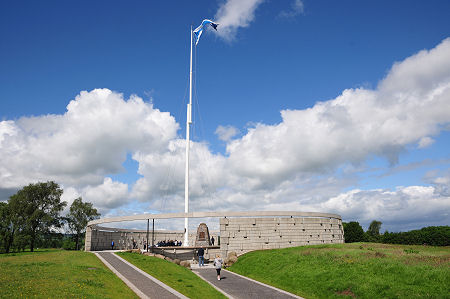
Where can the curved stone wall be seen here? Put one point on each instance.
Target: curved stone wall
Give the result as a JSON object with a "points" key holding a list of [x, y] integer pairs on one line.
{"points": [[240, 232]]}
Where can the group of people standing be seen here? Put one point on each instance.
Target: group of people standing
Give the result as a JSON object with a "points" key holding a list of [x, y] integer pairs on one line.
{"points": [[168, 243], [161, 243]]}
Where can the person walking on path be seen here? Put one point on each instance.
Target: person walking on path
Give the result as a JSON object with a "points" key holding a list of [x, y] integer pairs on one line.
{"points": [[201, 253], [218, 264], [212, 241], [112, 245]]}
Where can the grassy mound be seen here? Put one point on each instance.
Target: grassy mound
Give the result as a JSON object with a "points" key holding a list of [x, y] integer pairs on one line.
{"points": [[363, 270], [175, 276], [58, 274]]}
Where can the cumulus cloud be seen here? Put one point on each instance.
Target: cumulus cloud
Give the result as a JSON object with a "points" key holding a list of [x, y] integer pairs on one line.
{"points": [[440, 180], [226, 133], [402, 208], [357, 124], [235, 14], [83, 145], [109, 194]]}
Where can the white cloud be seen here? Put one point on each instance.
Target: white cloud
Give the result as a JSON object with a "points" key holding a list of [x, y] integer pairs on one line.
{"points": [[352, 127], [297, 8], [441, 182], [109, 194], [226, 133], [404, 207], [235, 14], [83, 145], [425, 142]]}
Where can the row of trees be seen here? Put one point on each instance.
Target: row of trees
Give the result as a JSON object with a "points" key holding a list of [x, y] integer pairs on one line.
{"points": [[432, 235], [33, 215]]}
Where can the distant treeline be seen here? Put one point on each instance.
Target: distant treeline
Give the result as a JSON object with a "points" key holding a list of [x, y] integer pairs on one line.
{"points": [[432, 235]]}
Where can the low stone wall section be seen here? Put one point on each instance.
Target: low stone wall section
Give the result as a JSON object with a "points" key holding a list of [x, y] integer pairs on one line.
{"points": [[188, 254]]}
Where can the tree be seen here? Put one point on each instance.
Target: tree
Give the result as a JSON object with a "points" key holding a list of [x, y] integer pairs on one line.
{"points": [[38, 207], [79, 216], [6, 229], [374, 228], [353, 232], [12, 224]]}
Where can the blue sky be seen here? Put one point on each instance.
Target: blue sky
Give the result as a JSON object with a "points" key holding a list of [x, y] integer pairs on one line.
{"points": [[269, 56]]}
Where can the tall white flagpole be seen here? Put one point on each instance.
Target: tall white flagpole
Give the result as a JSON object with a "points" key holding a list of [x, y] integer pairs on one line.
{"points": [[186, 177]]}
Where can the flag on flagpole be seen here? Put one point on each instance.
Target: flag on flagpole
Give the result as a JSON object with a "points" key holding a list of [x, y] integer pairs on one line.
{"points": [[199, 30]]}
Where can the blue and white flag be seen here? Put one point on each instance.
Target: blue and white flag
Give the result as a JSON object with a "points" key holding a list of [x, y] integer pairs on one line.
{"points": [[199, 30]]}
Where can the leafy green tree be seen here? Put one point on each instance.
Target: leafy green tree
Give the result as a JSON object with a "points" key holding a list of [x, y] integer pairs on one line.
{"points": [[374, 228], [373, 232], [6, 233], [38, 207], [353, 232], [79, 216], [12, 224]]}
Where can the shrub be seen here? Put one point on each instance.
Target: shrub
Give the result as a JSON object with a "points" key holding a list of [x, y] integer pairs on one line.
{"points": [[69, 244]]}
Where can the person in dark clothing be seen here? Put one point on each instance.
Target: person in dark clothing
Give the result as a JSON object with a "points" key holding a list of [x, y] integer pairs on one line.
{"points": [[212, 241], [201, 253]]}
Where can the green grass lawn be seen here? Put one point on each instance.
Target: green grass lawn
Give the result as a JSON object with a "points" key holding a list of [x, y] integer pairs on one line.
{"points": [[175, 276], [362, 270], [58, 274]]}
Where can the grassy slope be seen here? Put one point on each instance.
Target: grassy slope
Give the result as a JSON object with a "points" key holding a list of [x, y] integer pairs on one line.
{"points": [[58, 274], [365, 270], [177, 277]]}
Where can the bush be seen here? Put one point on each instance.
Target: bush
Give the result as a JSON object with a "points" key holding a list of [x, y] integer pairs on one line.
{"points": [[69, 244]]}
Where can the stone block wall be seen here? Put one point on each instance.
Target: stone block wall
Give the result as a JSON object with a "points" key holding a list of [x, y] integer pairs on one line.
{"points": [[238, 234], [242, 235]]}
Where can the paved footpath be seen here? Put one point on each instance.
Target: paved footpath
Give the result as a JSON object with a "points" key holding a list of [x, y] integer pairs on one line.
{"points": [[236, 286], [143, 284], [231, 285]]}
